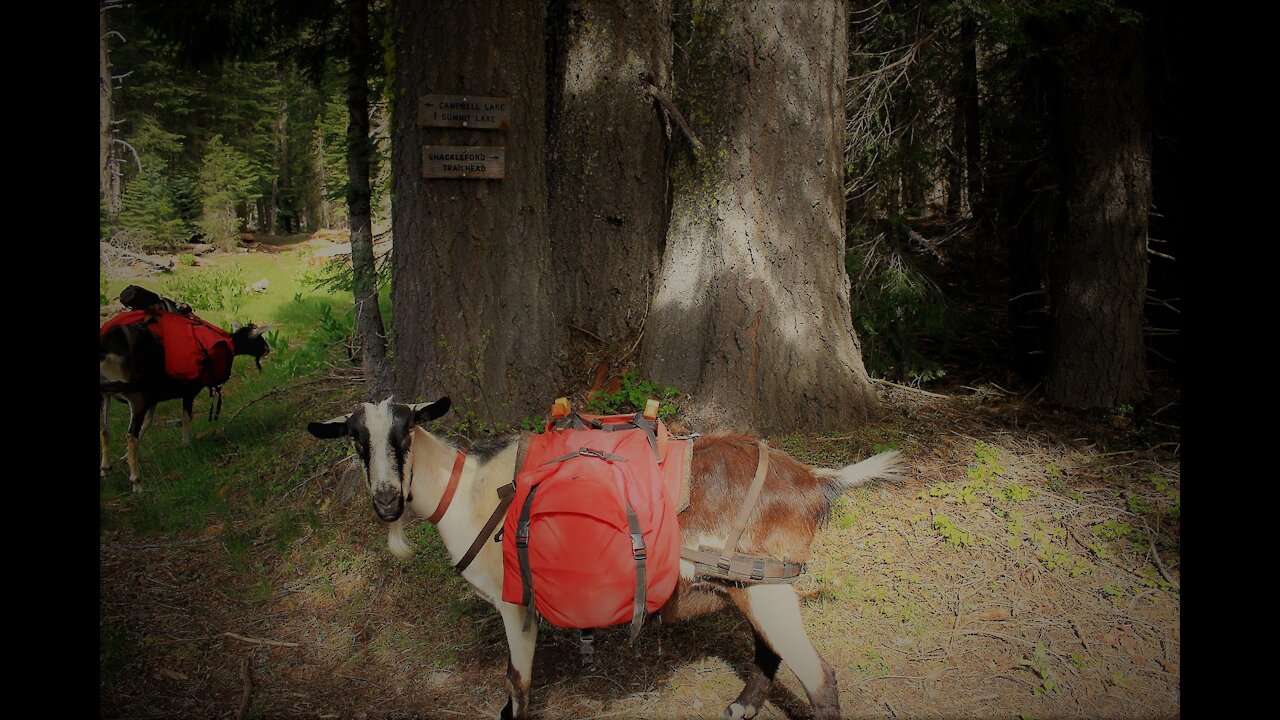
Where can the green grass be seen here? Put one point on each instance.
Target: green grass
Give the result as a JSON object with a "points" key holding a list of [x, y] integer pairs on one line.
{"points": [[191, 488]]}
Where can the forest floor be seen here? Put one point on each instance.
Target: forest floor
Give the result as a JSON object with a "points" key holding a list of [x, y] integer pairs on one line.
{"points": [[1028, 568]]}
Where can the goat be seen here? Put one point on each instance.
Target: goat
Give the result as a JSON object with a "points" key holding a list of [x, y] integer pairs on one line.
{"points": [[131, 368], [404, 463]]}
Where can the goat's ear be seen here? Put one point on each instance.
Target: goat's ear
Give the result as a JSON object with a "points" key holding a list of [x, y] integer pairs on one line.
{"points": [[329, 429], [425, 412]]}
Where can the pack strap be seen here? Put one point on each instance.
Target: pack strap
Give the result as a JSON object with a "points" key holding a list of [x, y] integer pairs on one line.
{"points": [[743, 569], [506, 494], [214, 414], [724, 562], [645, 425], [574, 421], [589, 452], [640, 554], [522, 551]]}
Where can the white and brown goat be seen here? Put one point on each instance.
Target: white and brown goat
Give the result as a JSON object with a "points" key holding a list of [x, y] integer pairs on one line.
{"points": [[405, 464], [131, 369]]}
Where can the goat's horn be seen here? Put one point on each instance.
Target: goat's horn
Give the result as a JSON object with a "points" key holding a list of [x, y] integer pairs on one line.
{"points": [[234, 326], [256, 332]]}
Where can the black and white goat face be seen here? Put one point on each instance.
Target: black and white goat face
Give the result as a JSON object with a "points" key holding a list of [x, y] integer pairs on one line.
{"points": [[383, 438]]}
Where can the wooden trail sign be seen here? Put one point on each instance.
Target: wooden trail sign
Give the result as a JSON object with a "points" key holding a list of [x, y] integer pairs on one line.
{"points": [[466, 162], [464, 111]]}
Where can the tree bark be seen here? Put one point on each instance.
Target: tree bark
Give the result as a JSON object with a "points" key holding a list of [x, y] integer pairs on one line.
{"points": [[369, 325], [607, 178], [1098, 260], [751, 314], [475, 311], [110, 179], [971, 110]]}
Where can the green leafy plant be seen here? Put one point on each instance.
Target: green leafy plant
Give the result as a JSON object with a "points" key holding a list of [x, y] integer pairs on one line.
{"points": [[987, 462], [632, 396], [951, 532], [1016, 493], [211, 289], [187, 259], [1039, 664], [1112, 529]]}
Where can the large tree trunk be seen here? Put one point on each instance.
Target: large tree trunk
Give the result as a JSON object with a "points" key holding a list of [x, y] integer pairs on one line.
{"points": [[971, 112], [473, 292], [751, 314], [369, 327], [607, 181], [110, 179], [1098, 261]]}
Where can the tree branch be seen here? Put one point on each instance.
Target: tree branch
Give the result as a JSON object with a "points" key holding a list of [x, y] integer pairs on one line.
{"points": [[657, 94], [136, 159]]}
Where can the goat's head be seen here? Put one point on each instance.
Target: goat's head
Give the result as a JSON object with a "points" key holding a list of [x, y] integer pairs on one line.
{"points": [[249, 340], [383, 438]]}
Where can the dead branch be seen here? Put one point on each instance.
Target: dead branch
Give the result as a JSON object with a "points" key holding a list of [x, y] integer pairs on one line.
{"points": [[907, 387], [137, 160], [260, 641], [246, 677], [121, 252], [1155, 555], [287, 388], [658, 95]]}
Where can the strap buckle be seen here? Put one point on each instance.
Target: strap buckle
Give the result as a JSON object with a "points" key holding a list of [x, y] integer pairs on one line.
{"points": [[522, 534], [637, 546]]}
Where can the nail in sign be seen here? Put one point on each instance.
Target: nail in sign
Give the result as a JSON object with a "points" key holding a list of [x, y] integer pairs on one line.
{"points": [[465, 162], [464, 111]]}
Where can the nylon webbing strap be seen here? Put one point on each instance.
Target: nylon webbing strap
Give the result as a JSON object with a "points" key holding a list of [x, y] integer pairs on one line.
{"points": [[522, 551], [506, 494], [589, 453], [637, 552], [639, 422], [742, 568], [744, 512], [215, 414], [574, 421]]}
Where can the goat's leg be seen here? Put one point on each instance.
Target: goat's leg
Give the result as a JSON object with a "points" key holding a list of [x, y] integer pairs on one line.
{"points": [[774, 612], [187, 403], [760, 677], [104, 445], [139, 419], [521, 643]]}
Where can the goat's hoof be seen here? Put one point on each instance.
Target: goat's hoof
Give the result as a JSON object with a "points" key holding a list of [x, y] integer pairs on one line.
{"points": [[102, 471], [737, 711], [137, 486]]}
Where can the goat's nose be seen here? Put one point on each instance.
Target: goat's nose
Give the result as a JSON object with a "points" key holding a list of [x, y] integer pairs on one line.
{"points": [[388, 503]]}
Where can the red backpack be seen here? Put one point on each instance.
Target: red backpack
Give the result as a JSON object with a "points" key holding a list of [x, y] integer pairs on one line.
{"points": [[591, 538], [194, 350]]}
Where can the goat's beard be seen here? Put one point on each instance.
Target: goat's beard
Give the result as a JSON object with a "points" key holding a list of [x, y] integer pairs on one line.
{"points": [[396, 541]]}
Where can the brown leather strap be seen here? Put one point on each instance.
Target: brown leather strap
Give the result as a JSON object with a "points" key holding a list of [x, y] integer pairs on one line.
{"points": [[506, 494], [638, 552], [449, 489], [744, 512]]}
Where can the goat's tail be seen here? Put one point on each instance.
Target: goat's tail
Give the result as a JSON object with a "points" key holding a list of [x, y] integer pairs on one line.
{"points": [[885, 466]]}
